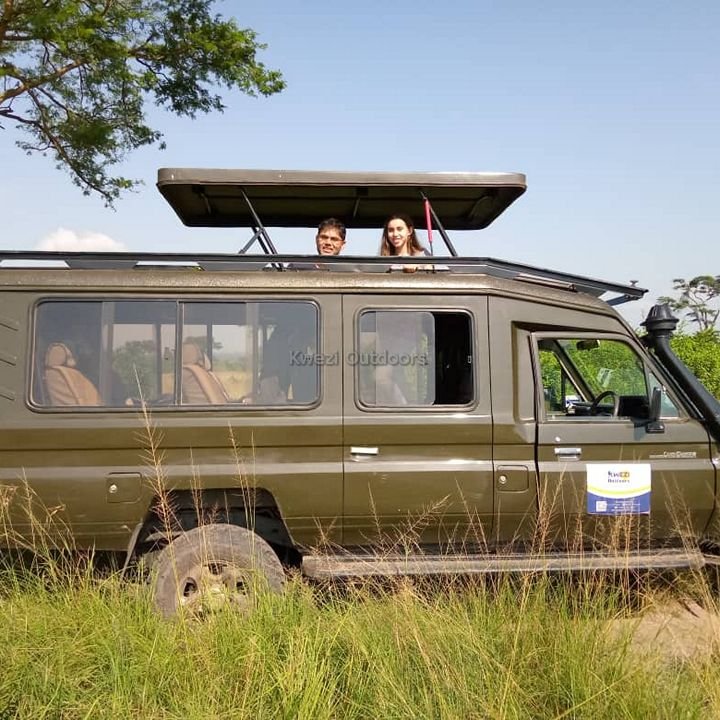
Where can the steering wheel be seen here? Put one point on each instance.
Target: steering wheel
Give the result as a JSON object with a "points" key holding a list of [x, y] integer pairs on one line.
{"points": [[595, 405]]}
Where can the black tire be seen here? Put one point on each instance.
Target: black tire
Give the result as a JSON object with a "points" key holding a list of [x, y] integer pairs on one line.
{"points": [[214, 566]]}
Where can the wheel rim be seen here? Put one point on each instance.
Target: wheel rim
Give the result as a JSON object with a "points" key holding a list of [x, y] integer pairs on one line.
{"points": [[211, 586]]}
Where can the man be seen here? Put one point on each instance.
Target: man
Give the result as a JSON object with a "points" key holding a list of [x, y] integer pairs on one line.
{"points": [[330, 238]]}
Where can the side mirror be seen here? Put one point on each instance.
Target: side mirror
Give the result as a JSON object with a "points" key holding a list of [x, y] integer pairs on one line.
{"points": [[654, 424]]}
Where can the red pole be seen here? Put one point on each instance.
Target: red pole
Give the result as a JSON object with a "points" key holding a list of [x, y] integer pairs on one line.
{"points": [[428, 222]]}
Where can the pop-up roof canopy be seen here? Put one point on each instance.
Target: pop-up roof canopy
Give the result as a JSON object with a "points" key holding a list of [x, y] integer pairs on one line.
{"points": [[279, 198]]}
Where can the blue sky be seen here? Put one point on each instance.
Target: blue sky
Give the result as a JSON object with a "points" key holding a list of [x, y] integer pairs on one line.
{"points": [[611, 109]]}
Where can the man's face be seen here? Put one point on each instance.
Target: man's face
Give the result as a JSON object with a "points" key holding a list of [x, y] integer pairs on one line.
{"points": [[329, 241]]}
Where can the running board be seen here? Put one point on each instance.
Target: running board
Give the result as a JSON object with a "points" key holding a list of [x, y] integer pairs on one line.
{"points": [[353, 566]]}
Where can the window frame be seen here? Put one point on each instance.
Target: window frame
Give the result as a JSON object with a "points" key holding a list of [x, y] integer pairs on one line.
{"points": [[34, 370], [648, 367], [475, 399], [34, 362]]}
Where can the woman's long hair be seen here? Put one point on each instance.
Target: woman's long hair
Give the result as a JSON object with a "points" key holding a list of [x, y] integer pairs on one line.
{"points": [[414, 247]]}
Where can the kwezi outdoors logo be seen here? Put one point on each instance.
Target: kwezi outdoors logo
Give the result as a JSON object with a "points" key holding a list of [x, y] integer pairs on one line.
{"points": [[373, 358], [622, 476]]}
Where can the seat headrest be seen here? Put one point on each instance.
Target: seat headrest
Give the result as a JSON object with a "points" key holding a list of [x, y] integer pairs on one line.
{"points": [[59, 354], [193, 355]]}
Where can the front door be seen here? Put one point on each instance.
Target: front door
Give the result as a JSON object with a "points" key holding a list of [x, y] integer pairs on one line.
{"points": [[417, 421], [604, 475]]}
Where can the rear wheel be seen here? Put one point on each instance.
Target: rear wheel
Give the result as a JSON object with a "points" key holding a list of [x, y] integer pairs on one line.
{"points": [[214, 566]]}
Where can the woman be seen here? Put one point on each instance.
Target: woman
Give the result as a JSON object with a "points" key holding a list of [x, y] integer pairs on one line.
{"points": [[399, 238]]}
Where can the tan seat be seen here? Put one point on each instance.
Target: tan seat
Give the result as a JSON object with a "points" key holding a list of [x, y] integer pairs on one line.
{"points": [[200, 385], [64, 383]]}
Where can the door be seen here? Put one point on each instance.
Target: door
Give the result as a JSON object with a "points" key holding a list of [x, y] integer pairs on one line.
{"points": [[606, 476], [417, 421]]}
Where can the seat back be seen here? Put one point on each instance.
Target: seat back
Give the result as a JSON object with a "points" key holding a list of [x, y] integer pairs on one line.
{"points": [[64, 383], [200, 386]]}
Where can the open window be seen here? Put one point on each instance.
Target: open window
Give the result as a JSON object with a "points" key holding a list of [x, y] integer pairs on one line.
{"points": [[414, 358], [587, 376]]}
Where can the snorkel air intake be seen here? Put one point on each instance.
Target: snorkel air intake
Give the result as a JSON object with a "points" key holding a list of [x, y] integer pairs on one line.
{"points": [[660, 324]]}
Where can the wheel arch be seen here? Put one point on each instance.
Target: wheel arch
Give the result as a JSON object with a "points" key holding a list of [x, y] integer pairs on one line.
{"points": [[179, 511]]}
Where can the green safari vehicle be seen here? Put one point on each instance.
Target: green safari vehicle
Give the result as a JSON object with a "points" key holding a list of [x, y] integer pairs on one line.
{"points": [[221, 417]]}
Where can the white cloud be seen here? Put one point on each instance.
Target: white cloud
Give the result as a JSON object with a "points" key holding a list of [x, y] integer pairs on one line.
{"points": [[82, 241]]}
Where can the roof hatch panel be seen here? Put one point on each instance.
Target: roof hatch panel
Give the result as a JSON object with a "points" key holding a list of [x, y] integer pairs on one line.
{"points": [[215, 198]]}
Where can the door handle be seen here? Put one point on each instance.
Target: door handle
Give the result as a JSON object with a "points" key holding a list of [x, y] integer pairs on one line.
{"points": [[568, 453], [363, 451]]}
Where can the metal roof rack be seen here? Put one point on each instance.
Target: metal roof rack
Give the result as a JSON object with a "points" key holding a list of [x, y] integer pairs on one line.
{"points": [[238, 198], [214, 262]]}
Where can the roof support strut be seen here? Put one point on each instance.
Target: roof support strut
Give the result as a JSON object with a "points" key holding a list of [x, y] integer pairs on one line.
{"points": [[441, 229], [261, 234]]}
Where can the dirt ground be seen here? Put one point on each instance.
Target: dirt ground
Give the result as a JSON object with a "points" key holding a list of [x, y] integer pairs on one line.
{"points": [[675, 630]]}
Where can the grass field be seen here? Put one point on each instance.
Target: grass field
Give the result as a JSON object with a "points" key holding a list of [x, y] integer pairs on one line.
{"points": [[73, 645]]}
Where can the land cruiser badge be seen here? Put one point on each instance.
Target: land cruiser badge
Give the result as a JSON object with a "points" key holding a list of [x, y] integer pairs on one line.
{"points": [[618, 488]]}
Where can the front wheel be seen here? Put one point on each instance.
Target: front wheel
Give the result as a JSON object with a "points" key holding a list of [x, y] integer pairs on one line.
{"points": [[214, 566]]}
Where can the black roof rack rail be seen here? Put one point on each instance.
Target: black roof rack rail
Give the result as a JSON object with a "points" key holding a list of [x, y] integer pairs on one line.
{"points": [[213, 262]]}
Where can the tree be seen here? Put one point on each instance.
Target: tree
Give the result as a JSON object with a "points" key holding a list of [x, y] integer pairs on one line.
{"points": [[701, 353], [696, 299], [76, 74]]}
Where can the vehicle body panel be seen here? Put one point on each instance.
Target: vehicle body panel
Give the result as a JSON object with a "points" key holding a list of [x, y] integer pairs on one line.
{"points": [[430, 480], [473, 474]]}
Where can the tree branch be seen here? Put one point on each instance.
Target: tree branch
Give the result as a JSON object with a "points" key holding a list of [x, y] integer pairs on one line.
{"points": [[18, 118], [26, 87], [45, 129], [54, 100], [5, 19]]}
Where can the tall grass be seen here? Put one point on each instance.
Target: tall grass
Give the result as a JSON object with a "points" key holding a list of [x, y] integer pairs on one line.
{"points": [[77, 646]]}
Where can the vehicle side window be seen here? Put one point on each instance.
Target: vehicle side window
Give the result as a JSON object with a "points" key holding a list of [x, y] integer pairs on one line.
{"points": [[121, 354], [592, 376], [103, 354], [414, 358], [254, 353]]}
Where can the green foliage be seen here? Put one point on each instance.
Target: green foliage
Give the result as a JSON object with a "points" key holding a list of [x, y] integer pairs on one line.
{"points": [[701, 353], [75, 75], [552, 380], [135, 364], [609, 365], [613, 365], [603, 365], [697, 299]]}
